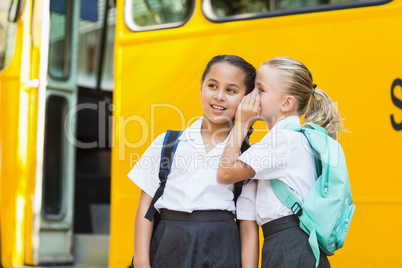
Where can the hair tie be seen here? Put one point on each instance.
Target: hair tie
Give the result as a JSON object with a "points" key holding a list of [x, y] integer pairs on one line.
{"points": [[314, 86]]}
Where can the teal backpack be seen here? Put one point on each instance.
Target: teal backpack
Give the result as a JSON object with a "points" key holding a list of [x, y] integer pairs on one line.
{"points": [[327, 210]]}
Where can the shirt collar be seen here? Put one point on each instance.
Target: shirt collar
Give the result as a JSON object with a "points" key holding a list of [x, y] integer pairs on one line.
{"points": [[293, 119], [193, 131]]}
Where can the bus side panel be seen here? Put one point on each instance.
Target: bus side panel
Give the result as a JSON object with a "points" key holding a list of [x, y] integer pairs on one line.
{"points": [[9, 167]]}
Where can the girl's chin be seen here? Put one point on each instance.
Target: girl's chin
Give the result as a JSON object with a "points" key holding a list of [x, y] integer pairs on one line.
{"points": [[219, 119]]}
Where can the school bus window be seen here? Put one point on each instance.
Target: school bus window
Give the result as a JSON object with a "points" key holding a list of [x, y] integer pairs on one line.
{"points": [[227, 8], [7, 33], [157, 14], [59, 46], [54, 157]]}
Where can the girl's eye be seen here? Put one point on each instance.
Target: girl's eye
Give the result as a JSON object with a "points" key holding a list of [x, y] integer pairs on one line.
{"points": [[212, 85], [231, 90], [261, 90]]}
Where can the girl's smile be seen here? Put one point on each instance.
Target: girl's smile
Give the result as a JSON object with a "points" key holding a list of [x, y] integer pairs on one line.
{"points": [[218, 108]]}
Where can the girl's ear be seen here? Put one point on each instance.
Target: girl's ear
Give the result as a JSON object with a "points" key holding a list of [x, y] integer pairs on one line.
{"points": [[288, 104]]}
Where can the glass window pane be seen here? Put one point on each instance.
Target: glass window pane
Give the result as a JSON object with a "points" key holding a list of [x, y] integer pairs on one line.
{"points": [[159, 12], [108, 64], [53, 168], [289, 4], [59, 47], [227, 8], [8, 32], [90, 39]]}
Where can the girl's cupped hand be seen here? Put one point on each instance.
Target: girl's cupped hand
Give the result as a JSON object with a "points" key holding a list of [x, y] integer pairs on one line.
{"points": [[249, 109]]}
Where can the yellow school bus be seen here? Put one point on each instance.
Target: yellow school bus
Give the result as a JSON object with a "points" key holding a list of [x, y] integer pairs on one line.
{"points": [[85, 87]]}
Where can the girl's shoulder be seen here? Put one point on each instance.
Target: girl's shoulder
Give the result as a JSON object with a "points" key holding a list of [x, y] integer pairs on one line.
{"points": [[281, 140], [158, 141], [155, 148], [278, 135]]}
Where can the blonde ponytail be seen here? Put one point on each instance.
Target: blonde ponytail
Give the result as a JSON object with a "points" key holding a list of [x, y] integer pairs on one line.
{"points": [[316, 105], [322, 111]]}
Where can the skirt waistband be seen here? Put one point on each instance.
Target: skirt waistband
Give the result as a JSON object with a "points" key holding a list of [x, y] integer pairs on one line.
{"points": [[280, 224], [198, 215]]}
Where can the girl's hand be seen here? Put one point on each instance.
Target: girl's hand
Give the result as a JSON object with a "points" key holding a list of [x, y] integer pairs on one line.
{"points": [[141, 265], [230, 168], [249, 109]]}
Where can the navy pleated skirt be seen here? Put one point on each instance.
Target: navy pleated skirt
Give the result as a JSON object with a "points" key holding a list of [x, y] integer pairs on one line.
{"points": [[199, 239], [287, 246]]}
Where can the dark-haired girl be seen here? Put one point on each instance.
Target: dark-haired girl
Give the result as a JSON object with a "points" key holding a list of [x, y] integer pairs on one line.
{"points": [[197, 227]]}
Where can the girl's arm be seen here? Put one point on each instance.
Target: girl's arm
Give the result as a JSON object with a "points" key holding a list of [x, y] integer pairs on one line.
{"points": [[230, 169], [249, 244], [142, 232]]}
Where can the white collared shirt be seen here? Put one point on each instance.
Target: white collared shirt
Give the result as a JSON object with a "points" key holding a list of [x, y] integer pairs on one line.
{"points": [[282, 154], [192, 183]]}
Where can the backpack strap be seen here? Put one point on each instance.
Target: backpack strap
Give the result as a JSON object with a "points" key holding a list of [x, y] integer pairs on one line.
{"points": [[238, 187], [319, 140], [295, 127], [169, 147], [315, 127], [314, 134], [289, 199]]}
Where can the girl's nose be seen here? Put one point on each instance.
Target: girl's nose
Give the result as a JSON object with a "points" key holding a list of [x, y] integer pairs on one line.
{"points": [[220, 95]]}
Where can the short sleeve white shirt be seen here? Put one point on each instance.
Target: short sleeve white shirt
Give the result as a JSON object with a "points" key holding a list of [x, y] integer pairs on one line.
{"points": [[245, 207], [281, 154], [192, 183]]}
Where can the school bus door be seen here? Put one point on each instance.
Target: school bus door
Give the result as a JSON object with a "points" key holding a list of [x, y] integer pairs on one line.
{"points": [[36, 167]]}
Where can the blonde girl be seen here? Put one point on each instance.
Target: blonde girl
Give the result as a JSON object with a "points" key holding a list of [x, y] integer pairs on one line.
{"points": [[284, 90]]}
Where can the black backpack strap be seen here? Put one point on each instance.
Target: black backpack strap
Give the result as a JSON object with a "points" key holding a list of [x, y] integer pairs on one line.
{"points": [[238, 186], [169, 147]]}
